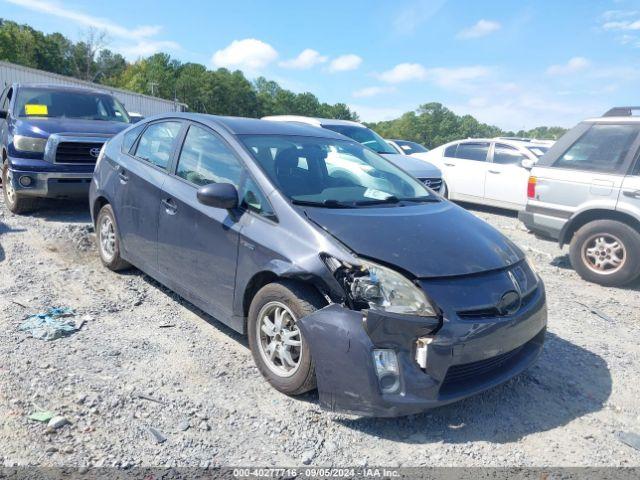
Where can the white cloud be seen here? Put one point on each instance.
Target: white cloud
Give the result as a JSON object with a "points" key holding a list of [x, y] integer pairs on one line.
{"points": [[345, 62], [574, 65], [249, 54], [411, 16], [132, 42], [619, 14], [57, 10], [145, 48], [480, 29], [622, 25], [378, 114], [372, 91], [308, 58], [404, 72], [442, 76]]}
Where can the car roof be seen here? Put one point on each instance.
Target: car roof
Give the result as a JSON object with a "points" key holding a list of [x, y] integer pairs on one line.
{"points": [[251, 126], [630, 119], [513, 143], [66, 88], [316, 121]]}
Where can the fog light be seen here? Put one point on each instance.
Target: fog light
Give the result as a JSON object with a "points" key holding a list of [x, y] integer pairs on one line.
{"points": [[387, 370], [25, 180], [422, 346]]}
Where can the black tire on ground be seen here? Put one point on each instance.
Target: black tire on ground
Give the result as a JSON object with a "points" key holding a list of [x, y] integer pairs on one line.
{"points": [[611, 230], [20, 204], [113, 262], [302, 300]]}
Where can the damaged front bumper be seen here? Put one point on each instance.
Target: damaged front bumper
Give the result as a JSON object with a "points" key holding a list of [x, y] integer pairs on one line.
{"points": [[465, 356]]}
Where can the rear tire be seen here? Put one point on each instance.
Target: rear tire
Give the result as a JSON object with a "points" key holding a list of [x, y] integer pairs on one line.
{"points": [[15, 202], [606, 252], [108, 240], [293, 301]]}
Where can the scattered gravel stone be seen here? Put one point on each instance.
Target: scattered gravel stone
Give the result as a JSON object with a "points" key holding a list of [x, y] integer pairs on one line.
{"points": [[57, 422]]}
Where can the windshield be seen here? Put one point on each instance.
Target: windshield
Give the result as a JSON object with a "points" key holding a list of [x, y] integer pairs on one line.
{"points": [[363, 135], [42, 102], [411, 147], [332, 173], [538, 150]]}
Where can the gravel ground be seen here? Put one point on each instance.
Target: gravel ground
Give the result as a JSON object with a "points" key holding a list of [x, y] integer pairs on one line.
{"points": [[145, 359]]}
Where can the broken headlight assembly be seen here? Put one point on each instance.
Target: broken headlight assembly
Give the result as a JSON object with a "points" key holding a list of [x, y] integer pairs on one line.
{"points": [[372, 286]]}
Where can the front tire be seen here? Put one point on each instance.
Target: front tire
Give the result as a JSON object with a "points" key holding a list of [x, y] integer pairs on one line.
{"points": [[606, 252], [15, 202], [277, 345], [108, 239]]}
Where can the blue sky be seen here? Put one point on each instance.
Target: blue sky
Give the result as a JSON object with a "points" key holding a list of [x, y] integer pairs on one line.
{"points": [[513, 64]]}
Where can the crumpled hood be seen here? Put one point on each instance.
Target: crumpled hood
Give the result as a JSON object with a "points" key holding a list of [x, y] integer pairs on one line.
{"points": [[427, 240], [43, 127], [416, 167]]}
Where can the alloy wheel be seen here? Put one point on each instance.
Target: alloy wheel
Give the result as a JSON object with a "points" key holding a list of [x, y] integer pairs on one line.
{"points": [[107, 238], [7, 184], [604, 254], [280, 342]]}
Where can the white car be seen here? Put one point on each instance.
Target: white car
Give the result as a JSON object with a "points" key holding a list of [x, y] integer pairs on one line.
{"points": [[424, 171], [491, 172]]}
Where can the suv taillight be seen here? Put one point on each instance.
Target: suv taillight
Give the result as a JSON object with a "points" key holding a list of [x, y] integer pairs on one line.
{"points": [[531, 187]]}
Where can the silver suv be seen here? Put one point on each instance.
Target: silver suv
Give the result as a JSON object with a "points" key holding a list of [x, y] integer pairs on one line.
{"points": [[586, 191]]}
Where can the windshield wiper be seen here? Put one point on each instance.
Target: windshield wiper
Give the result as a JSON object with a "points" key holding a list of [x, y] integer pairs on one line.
{"points": [[394, 199], [331, 203]]}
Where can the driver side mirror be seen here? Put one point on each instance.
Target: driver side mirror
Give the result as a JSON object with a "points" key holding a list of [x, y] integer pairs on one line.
{"points": [[528, 163], [219, 195], [3, 114]]}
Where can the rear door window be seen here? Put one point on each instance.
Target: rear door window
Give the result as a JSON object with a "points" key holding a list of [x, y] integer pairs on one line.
{"points": [[602, 148], [450, 151], [473, 151], [506, 155], [130, 138], [157, 142]]}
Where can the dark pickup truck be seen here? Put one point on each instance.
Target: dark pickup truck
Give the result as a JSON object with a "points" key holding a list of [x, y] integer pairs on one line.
{"points": [[50, 139]]}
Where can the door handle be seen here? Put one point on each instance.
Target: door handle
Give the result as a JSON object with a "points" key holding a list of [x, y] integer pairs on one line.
{"points": [[450, 164], [494, 171], [124, 178], [632, 193], [169, 206]]}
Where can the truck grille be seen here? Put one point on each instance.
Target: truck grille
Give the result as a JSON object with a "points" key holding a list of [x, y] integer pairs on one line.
{"points": [[432, 183], [78, 152]]}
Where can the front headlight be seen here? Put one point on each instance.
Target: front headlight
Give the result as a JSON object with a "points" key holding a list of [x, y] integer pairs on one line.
{"points": [[381, 288], [29, 144]]}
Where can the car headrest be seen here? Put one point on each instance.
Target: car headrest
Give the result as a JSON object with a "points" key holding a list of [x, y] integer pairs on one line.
{"points": [[287, 159]]}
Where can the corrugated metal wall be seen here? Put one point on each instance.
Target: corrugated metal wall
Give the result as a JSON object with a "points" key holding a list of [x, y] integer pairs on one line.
{"points": [[133, 102]]}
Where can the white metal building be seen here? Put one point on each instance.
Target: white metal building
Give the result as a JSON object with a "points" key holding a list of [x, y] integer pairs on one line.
{"points": [[145, 105]]}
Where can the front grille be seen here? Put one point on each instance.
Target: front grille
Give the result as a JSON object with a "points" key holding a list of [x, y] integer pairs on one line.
{"points": [[77, 152], [476, 370], [492, 312], [432, 183]]}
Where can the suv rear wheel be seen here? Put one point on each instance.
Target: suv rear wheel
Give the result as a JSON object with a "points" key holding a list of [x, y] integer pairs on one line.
{"points": [[277, 345], [606, 252]]}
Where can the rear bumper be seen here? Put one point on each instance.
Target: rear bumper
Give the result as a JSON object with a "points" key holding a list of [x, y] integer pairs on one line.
{"points": [[543, 225], [466, 357]]}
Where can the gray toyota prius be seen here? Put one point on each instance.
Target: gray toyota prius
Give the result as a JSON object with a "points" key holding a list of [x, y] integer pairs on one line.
{"points": [[347, 274]]}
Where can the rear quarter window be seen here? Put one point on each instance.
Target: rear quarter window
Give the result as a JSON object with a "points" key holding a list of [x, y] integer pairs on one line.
{"points": [[130, 138], [602, 148]]}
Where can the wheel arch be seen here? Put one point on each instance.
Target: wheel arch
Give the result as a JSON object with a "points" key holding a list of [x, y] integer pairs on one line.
{"points": [[265, 277], [98, 203], [582, 218]]}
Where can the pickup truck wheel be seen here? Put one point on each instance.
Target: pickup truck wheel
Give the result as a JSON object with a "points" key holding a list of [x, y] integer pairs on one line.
{"points": [[108, 240], [277, 345], [13, 200], [606, 252]]}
